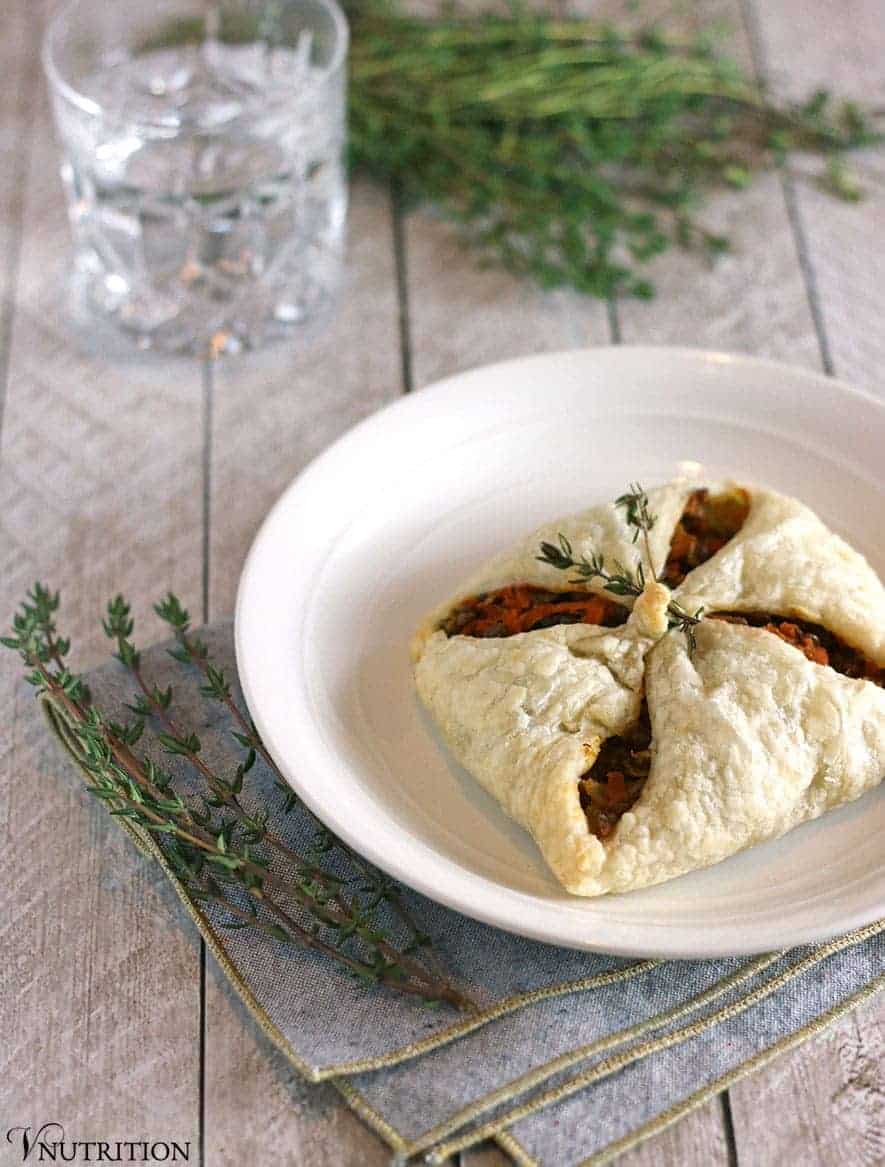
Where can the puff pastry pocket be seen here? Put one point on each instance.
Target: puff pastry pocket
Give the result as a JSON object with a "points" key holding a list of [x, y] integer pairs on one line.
{"points": [[751, 738], [631, 760]]}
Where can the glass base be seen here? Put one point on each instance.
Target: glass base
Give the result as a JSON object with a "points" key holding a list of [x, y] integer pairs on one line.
{"points": [[115, 320]]}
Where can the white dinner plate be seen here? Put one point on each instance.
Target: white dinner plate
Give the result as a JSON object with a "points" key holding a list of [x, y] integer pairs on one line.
{"points": [[388, 521]]}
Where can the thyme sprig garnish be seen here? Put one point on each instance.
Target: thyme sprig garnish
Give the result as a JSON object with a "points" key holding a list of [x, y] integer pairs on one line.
{"points": [[685, 622], [222, 852], [622, 580], [639, 517]]}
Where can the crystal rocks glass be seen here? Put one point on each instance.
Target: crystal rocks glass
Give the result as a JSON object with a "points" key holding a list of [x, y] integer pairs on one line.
{"points": [[203, 148]]}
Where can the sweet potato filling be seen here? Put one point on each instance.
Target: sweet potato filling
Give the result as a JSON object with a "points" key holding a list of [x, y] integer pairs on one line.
{"points": [[615, 780], [816, 642], [525, 608], [707, 523]]}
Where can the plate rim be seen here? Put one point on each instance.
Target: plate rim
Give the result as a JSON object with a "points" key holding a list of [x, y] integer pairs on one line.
{"points": [[475, 908]]}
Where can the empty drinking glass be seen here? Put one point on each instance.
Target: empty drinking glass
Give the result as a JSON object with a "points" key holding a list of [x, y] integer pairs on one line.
{"points": [[203, 163]]}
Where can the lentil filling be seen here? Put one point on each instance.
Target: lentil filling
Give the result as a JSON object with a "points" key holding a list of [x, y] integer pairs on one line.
{"points": [[615, 780], [816, 642], [524, 608], [707, 523]]}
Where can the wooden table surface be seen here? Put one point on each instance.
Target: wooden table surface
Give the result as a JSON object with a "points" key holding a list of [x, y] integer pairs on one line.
{"points": [[141, 476]]}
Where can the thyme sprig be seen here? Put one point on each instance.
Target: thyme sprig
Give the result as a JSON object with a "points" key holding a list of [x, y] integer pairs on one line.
{"points": [[622, 580], [685, 622], [639, 517], [222, 852]]}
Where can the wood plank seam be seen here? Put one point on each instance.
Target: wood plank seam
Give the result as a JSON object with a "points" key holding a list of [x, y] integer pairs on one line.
{"points": [[25, 112], [398, 213], [728, 1129], [208, 387], [614, 320]]}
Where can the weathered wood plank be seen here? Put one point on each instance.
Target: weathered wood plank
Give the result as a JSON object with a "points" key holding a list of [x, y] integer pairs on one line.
{"points": [[753, 299], [257, 1105], [272, 413], [19, 67], [698, 1139], [461, 315], [827, 1097], [100, 492], [825, 1101], [803, 46]]}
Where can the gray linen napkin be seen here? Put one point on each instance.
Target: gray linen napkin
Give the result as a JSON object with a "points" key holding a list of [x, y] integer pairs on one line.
{"points": [[561, 1036]]}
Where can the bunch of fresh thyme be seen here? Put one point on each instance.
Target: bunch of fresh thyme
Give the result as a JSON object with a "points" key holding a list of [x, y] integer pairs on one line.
{"points": [[624, 581], [223, 853], [569, 151]]}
